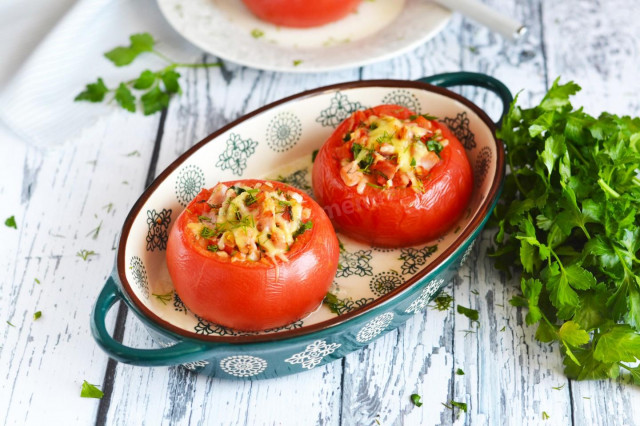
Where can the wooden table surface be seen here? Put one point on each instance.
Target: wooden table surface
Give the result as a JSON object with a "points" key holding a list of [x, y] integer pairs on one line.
{"points": [[59, 196]]}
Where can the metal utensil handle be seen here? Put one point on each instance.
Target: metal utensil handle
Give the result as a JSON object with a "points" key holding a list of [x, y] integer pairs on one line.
{"points": [[483, 14]]}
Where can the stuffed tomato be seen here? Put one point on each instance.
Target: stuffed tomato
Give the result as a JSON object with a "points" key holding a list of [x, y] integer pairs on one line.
{"points": [[252, 255], [392, 178], [301, 13]]}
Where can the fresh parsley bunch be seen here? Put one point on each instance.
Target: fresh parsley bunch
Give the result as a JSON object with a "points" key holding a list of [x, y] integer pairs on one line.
{"points": [[157, 86], [569, 215]]}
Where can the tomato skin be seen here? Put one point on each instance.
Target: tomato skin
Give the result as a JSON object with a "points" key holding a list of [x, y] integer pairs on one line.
{"points": [[395, 217], [247, 295], [301, 13]]}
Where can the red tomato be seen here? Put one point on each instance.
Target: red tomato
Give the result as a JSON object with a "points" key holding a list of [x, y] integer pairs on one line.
{"points": [[301, 13], [398, 216], [253, 295]]}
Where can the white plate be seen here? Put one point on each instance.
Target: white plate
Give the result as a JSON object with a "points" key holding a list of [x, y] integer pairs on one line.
{"points": [[378, 30]]}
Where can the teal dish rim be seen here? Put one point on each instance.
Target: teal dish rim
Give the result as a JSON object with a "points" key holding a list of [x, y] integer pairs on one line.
{"points": [[190, 347]]}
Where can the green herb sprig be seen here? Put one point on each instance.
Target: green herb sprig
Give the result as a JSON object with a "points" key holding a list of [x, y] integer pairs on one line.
{"points": [[157, 87], [569, 216]]}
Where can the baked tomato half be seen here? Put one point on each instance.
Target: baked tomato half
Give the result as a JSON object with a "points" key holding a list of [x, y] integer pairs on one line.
{"points": [[392, 178], [252, 255], [301, 13]]}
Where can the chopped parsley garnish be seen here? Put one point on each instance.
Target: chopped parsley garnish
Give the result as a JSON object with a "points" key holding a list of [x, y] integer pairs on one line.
{"points": [[472, 314], [545, 416], [257, 33], [37, 281], [297, 62], [558, 387], [207, 232], [415, 398], [314, 154], [413, 162], [10, 324], [455, 404], [84, 254], [434, 146], [11, 222], [373, 126], [334, 304], [204, 218], [135, 153], [212, 248], [385, 138], [373, 185], [459, 372], [443, 302], [303, 227], [164, 298], [346, 137], [90, 391], [37, 315], [425, 116], [108, 207]]}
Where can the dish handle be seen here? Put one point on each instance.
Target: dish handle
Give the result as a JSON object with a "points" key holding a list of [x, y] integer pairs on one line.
{"points": [[183, 351], [464, 78]]}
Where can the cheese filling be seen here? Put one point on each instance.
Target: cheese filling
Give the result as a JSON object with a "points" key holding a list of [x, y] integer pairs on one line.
{"points": [[249, 223], [386, 152]]}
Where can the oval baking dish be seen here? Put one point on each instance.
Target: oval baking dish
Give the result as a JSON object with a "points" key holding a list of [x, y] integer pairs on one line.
{"points": [[375, 289]]}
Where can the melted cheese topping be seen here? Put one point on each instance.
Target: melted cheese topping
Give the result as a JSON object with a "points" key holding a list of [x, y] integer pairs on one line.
{"points": [[389, 152], [247, 223]]}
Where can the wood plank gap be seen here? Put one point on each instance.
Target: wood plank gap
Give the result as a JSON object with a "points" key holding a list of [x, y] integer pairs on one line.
{"points": [[543, 47], [121, 318], [342, 363], [572, 405]]}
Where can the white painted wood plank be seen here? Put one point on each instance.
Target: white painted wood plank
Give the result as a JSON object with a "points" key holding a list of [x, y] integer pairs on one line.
{"points": [[60, 199]]}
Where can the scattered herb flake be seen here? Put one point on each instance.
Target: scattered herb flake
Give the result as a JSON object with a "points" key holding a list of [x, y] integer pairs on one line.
{"points": [[164, 298], [545, 416], [504, 327], [10, 324], [37, 315], [459, 372], [37, 281], [108, 207], [297, 62], [314, 154], [257, 33], [11, 222], [94, 232], [443, 302], [559, 387], [415, 398], [135, 153], [212, 248], [472, 314], [476, 292], [84, 254], [90, 391]]}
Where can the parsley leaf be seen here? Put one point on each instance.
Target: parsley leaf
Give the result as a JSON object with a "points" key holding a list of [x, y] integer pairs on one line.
{"points": [[472, 314], [90, 391], [93, 92], [125, 98], [11, 222], [415, 398], [124, 55]]}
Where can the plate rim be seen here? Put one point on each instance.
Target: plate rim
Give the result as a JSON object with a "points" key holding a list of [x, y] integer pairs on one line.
{"points": [[475, 224], [303, 69]]}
